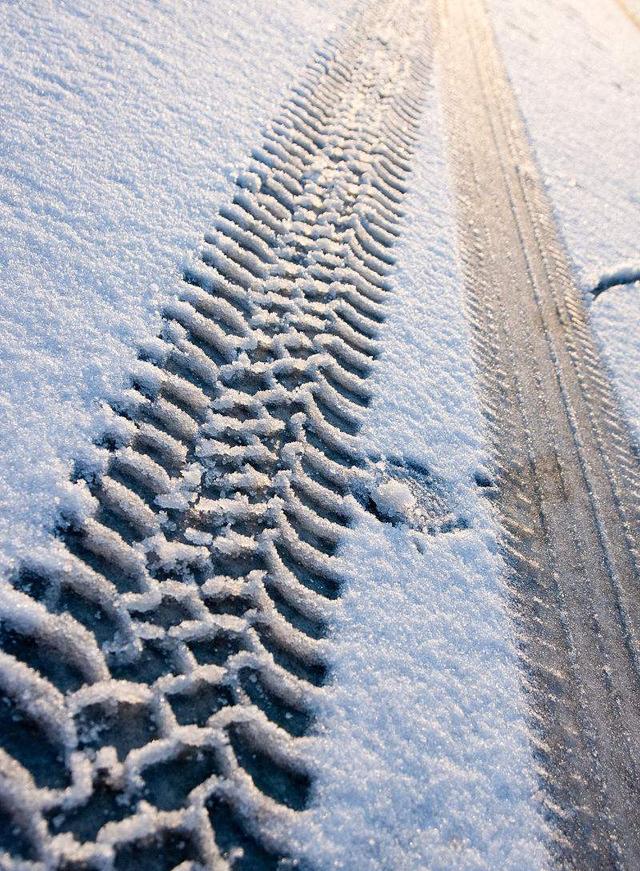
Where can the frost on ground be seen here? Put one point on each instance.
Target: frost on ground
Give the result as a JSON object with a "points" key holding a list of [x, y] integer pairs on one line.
{"points": [[122, 124], [577, 103], [423, 757]]}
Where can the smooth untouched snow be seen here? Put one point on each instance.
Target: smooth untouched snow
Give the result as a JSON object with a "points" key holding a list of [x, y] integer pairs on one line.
{"points": [[574, 67], [123, 125], [423, 755]]}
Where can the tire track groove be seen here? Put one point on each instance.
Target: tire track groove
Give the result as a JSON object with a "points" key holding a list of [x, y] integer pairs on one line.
{"points": [[159, 666], [566, 466]]}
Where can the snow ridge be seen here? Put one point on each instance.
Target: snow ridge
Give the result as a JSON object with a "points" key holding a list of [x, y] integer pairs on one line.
{"points": [[623, 273], [160, 664]]}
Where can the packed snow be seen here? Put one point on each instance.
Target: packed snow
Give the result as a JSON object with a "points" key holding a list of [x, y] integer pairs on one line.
{"points": [[123, 126], [394, 499], [578, 103]]}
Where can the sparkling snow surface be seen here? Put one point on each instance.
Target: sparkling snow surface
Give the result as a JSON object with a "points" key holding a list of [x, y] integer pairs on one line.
{"points": [[574, 66], [423, 757], [122, 124]]}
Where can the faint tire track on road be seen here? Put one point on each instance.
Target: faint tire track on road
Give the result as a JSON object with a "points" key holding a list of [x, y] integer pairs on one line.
{"points": [[566, 468]]}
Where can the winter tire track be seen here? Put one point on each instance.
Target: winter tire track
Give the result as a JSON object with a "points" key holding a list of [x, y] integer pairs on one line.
{"points": [[158, 668], [567, 471]]}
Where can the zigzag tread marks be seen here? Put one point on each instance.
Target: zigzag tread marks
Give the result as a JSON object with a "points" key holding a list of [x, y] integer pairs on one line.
{"points": [[187, 613]]}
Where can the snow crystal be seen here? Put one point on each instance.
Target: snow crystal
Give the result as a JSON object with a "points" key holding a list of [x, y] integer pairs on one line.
{"points": [[615, 316]]}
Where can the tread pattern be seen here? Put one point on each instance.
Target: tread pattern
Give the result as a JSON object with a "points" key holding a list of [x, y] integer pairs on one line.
{"points": [[158, 668], [566, 477]]}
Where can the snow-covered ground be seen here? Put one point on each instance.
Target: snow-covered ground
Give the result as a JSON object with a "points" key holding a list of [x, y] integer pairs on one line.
{"points": [[424, 757], [122, 126], [574, 67]]}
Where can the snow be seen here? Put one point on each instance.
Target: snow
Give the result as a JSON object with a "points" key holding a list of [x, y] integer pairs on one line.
{"points": [[615, 316], [423, 758], [122, 127], [623, 273], [394, 498], [577, 103]]}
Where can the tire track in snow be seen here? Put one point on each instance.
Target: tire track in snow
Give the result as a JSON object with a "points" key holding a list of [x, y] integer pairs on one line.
{"points": [[566, 470], [158, 667]]}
